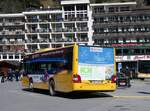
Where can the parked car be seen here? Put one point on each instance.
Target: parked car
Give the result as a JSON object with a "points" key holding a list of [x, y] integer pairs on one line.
{"points": [[123, 80]]}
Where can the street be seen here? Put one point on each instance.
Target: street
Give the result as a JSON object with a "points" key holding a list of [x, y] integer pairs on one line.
{"points": [[136, 98]]}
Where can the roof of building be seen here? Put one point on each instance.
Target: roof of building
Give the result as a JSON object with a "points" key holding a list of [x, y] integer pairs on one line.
{"points": [[74, 2], [119, 3]]}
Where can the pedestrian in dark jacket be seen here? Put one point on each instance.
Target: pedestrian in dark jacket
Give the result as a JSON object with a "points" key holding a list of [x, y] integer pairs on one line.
{"points": [[17, 75], [10, 74], [3, 77]]}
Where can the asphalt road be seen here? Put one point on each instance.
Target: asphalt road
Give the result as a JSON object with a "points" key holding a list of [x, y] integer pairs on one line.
{"points": [[136, 98]]}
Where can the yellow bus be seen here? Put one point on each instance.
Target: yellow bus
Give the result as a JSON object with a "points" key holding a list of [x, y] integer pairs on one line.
{"points": [[71, 68]]}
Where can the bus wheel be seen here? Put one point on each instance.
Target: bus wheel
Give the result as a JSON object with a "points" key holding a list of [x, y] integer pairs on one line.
{"points": [[142, 79], [52, 88]]}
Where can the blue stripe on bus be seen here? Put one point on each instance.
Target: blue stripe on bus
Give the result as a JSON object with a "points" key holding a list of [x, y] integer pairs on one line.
{"points": [[47, 60]]}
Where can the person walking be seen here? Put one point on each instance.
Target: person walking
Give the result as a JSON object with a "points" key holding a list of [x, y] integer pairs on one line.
{"points": [[10, 74], [128, 77], [3, 77], [17, 74]]}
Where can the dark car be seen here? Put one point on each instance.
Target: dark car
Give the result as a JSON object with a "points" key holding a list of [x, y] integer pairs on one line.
{"points": [[123, 80]]}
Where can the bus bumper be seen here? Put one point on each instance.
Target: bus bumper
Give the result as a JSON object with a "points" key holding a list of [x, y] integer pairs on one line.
{"points": [[94, 87]]}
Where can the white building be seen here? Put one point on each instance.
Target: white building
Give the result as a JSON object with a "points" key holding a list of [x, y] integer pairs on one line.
{"points": [[11, 36], [32, 30], [76, 21]]}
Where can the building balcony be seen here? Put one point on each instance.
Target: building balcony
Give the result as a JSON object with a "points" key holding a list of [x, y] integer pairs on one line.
{"points": [[104, 13], [17, 32], [11, 56], [8, 42], [57, 40], [69, 29], [31, 20], [34, 31], [12, 24], [44, 20], [38, 41], [32, 41], [4, 51], [82, 19], [29, 51], [57, 30], [44, 40], [119, 24], [82, 39], [121, 35], [56, 20], [44, 30], [69, 40], [70, 19], [82, 29]]}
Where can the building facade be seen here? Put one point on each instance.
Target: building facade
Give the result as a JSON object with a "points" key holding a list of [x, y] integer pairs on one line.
{"points": [[12, 36], [121, 25], [32, 30], [124, 26], [53, 28]]}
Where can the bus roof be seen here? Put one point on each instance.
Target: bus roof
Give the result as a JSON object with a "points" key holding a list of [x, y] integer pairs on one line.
{"points": [[47, 50]]}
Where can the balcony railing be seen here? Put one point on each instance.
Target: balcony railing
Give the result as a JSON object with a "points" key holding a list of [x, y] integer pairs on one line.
{"points": [[81, 39], [124, 23], [17, 32], [57, 29], [37, 41], [82, 19], [41, 30], [44, 20], [8, 42], [80, 29], [120, 35], [11, 23], [102, 13], [69, 29], [57, 40]]}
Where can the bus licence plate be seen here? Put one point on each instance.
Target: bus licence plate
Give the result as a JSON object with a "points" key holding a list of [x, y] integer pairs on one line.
{"points": [[95, 82], [122, 83]]}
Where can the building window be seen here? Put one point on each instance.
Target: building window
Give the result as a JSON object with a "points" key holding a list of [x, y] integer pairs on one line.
{"points": [[4, 56], [118, 51], [22, 57], [136, 51], [126, 51], [16, 56], [99, 9], [111, 9], [10, 56], [81, 7], [124, 9], [147, 51], [69, 8]]}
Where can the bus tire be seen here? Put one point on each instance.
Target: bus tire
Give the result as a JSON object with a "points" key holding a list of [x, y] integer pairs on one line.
{"points": [[52, 91], [142, 79]]}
